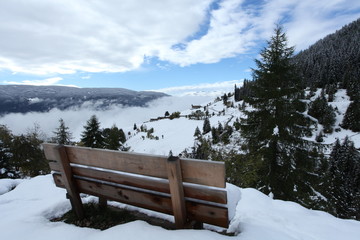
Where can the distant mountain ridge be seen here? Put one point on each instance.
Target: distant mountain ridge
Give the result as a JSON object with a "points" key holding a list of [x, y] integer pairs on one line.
{"points": [[26, 98]]}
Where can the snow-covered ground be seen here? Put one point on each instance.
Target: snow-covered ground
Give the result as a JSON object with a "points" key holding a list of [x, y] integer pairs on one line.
{"points": [[26, 210], [178, 134]]}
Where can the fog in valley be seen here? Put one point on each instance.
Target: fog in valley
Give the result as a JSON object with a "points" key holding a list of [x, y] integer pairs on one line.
{"points": [[124, 117]]}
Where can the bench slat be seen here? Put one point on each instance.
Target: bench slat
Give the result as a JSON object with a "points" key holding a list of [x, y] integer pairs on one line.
{"points": [[215, 215], [159, 185]]}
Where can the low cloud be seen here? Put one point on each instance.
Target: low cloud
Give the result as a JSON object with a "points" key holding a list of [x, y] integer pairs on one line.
{"points": [[75, 119], [203, 89]]}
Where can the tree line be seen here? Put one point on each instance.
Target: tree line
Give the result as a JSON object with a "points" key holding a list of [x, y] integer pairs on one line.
{"points": [[22, 155]]}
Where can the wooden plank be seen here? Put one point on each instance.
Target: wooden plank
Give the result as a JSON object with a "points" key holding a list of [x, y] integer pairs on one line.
{"points": [[142, 164], [50, 151], [203, 172], [140, 199], [71, 188], [200, 212], [177, 191], [216, 195], [215, 215], [193, 171]]}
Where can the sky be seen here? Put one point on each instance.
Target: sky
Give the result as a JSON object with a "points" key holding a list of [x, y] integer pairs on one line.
{"points": [[160, 45]]}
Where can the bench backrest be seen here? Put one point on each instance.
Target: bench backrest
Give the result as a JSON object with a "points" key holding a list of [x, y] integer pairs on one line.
{"points": [[186, 188]]}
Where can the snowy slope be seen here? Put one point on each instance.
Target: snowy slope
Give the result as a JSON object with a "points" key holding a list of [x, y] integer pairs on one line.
{"points": [[26, 210], [178, 134]]}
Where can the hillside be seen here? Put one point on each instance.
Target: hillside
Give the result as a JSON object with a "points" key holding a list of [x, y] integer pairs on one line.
{"points": [[177, 135], [23, 99], [224, 142], [334, 59]]}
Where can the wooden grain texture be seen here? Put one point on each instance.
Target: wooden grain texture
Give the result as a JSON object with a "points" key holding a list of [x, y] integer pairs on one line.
{"points": [[176, 191], [50, 151], [203, 172], [71, 188], [216, 195], [215, 215], [193, 171]]}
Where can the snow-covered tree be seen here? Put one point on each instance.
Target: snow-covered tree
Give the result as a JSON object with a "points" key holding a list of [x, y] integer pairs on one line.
{"points": [[352, 116], [274, 127], [206, 126], [92, 134], [344, 180], [323, 112], [62, 134]]}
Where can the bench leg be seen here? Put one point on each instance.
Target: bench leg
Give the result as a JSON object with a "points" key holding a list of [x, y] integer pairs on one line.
{"points": [[176, 191], [71, 188]]}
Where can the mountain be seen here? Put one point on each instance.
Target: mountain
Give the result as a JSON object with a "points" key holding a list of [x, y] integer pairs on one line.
{"points": [[333, 59], [22, 98]]}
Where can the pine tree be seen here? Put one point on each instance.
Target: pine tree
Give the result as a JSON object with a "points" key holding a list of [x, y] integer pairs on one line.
{"points": [[344, 185], [197, 133], [215, 135], [273, 130], [206, 126], [92, 135], [62, 134], [323, 112], [352, 116], [113, 137], [6, 169]]}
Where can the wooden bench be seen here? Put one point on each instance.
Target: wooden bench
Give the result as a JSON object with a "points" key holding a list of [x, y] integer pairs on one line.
{"points": [[191, 190]]}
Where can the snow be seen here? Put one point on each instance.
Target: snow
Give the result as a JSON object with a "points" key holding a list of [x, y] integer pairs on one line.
{"points": [[7, 185], [174, 135], [26, 210]]}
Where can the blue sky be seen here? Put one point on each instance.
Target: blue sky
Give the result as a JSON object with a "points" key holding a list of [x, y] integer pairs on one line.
{"points": [[153, 45]]}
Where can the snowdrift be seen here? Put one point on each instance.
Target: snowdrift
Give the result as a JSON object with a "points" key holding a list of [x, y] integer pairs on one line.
{"points": [[26, 210]]}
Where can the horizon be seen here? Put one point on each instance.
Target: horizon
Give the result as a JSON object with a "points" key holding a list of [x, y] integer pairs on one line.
{"points": [[169, 46]]}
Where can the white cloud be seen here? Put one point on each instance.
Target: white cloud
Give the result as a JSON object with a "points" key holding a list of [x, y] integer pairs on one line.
{"points": [[44, 37], [203, 89], [43, 82], [63, 37]]}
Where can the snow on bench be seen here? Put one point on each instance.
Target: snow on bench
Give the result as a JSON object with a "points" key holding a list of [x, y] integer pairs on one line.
{"points": [[191, 190]]}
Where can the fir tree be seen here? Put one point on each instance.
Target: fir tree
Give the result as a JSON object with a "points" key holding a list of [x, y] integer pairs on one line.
{"points": [[206, 126], [113, 137], [323, 112], [6, 169], [62, 134], [344, 185], [197, 133], [215, 135], [352, 116], [92, 135], [273, 130]]}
